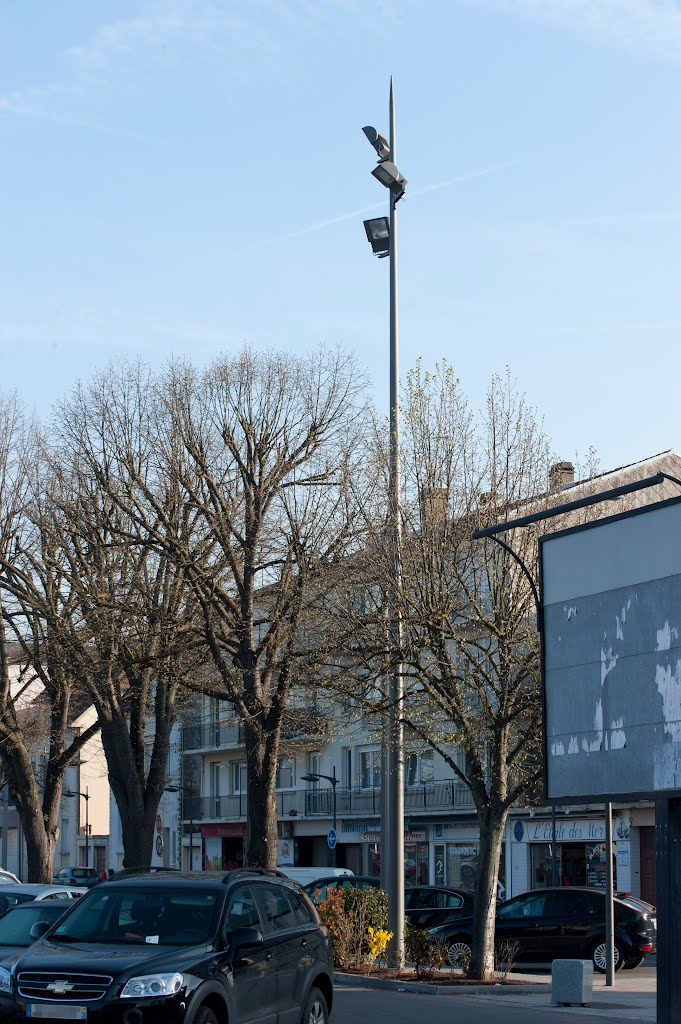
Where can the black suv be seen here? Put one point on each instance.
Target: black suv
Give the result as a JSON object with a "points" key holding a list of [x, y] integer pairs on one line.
{"points": [[164, 947]]}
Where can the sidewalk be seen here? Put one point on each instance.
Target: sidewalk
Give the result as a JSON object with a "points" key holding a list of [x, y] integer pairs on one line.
{"points": [[634, 997]]}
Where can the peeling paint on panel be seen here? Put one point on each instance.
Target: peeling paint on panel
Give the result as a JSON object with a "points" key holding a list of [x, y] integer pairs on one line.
{"points": [[669, 685]]}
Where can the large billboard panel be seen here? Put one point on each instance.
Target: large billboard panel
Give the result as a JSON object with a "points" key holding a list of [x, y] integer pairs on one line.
{"points": [[611, 655]]}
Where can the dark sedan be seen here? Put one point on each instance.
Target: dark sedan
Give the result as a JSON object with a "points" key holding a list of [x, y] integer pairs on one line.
{"points": [[551, 923], [319, 889], [426, 906]]}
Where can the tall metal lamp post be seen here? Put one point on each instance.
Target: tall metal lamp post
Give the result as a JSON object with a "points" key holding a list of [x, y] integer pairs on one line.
{"points": [[333, 779], [86, 798], [382, 234]]}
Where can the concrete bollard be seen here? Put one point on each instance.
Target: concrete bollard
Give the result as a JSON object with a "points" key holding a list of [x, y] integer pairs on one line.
{"points": [[572, 981]]}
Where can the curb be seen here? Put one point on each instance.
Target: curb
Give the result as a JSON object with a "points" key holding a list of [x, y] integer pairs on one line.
{"points": [[437, 990]]}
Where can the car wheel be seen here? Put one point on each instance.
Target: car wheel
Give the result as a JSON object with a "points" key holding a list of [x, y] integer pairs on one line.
{"points": [[631, 964], [458, 953], [599, 956], [316, 1011], [205, 1016]]}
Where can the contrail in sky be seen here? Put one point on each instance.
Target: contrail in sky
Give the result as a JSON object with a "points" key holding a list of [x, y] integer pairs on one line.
{"points": [[322, 224]]}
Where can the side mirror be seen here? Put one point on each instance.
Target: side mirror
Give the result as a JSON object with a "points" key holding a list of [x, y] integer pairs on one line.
{"points": [[243, 937], [39, 929]]}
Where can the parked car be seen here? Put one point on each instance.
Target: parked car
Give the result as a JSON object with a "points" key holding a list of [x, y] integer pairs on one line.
{"points": [[319, 890], [189, 947], [566, 923], [11, 897], [7, 878], [17, 924], [303, 876], [426, 906], [76, 876]]}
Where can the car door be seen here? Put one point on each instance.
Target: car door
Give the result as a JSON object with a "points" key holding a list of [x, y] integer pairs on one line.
{"points": [[521, 920], [290, 941], [253, 969], [566, 923]]}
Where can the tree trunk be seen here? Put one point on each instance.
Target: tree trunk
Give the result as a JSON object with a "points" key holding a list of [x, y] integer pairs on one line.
{"points": [[261, 773], [492, 824], [137, 799]]}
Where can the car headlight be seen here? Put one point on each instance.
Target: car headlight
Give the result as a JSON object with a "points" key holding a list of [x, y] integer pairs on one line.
{"points": [[152, 985], [5, 980]]}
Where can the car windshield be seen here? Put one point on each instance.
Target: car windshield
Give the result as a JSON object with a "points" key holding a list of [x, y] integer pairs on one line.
{"points": [[15, 926], [152, 914]]}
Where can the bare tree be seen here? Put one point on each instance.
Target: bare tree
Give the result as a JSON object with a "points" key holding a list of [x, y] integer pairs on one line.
{"points": [[37, 685], [135, 639], [469, 645], [262, 445]]}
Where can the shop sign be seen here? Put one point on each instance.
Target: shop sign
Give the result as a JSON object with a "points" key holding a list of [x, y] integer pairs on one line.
{"points": [[575, 830], [459, 830], [224, 829], [409, 837]]}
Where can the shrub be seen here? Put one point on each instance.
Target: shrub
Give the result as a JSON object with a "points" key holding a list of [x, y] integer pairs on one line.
{"points": [[348, 914], [422, 951]]}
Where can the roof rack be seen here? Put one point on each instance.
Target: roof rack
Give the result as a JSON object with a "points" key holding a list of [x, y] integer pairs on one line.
{"points": [[272, 872], [142, 870]]}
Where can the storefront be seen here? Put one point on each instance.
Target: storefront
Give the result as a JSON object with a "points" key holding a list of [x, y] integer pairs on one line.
{"points": [[580, 852], [223, 845]]}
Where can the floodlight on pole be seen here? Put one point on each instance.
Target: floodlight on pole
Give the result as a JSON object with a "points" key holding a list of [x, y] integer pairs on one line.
{"points": [[388, 175], [378, 141], [392, 743], [378, 234]]}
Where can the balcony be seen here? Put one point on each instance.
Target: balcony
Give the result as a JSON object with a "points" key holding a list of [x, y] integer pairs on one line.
{"points": [[299, 725], [448, 795]]}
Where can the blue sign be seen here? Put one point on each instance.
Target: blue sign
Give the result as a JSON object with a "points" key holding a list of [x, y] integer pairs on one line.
{"points": [[331, 838], [518, 831]]}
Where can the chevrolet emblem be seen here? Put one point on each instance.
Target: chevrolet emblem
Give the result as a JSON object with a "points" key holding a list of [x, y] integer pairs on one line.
{"points": [[60, 988]]}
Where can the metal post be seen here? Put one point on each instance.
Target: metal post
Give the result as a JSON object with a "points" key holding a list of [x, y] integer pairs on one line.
{"points": [[609, 906], [554, 849], [191, 825], [5, 825], [334, 783], [86, 797], [396, 745]]}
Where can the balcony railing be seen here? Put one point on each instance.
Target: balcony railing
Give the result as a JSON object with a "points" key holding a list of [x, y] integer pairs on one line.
{"points": [[298, 724], [448, 795]]}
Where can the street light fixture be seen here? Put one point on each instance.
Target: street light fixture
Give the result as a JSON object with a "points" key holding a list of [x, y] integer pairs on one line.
{"points": [[86, 798], [181, 790], [333, 779], [392, 744], [378, 234]]}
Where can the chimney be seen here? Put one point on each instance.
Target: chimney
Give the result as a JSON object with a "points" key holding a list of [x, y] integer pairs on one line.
{"points": [[561, 475], [434, 505]]}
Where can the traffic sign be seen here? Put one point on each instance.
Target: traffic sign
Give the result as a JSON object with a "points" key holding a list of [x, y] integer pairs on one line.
{"points": [[331, 838], [159, 845], [159, 823]]}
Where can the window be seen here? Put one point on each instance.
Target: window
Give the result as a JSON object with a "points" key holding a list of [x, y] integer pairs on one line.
{"points": [[286, 773], [418, 768], [238, 773], [274, 907], [301, 911], [525, 906], [242, 912], [370, 769], [215, 778], [346, 762]]}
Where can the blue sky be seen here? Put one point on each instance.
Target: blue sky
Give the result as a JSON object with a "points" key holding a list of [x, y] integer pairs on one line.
{"points": [[182, 176]]}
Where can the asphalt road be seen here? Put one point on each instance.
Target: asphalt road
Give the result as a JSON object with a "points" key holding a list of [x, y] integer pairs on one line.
{"points": [[355, 1005]]}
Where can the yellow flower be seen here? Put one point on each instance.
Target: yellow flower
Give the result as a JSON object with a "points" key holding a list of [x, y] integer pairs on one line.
{"points": [[377, 940]]}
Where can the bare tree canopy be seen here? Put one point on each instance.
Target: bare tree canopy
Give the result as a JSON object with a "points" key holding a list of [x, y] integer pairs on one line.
{"points": [[37, 682], [468, 646]]}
